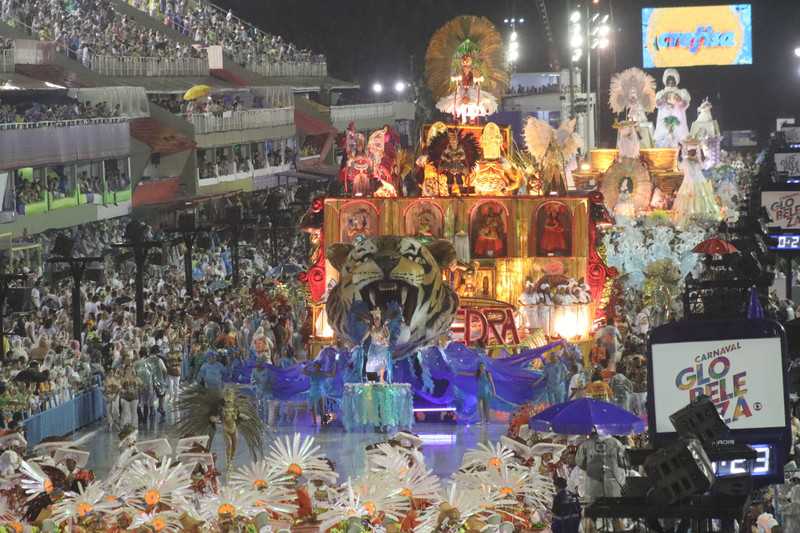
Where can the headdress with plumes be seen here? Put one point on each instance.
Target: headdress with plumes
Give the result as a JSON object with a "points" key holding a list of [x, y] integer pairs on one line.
{"points": [[466, 35], [539, 135], [632, 86]]}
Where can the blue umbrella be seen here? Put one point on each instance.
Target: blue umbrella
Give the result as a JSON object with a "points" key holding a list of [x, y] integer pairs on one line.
{"points": [[579, 417]]}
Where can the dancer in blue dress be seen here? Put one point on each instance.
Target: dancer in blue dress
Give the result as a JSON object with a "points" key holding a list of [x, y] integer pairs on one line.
{"points": [[486, 392], [318, 380]]}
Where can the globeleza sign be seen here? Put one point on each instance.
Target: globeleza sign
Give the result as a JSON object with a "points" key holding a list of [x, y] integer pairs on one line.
{"points": [[693, 36]]}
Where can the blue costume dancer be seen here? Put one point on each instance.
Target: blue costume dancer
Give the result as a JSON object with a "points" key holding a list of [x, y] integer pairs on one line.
{"points": [[316, 391], [212, 373], [486, 392], [262, 380], [555, 376]]}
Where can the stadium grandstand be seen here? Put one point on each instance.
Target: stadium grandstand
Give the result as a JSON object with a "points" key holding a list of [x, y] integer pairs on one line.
{"points": [[108, 107]]}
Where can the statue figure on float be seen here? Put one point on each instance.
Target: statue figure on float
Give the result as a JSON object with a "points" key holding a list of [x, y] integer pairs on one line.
{"points": [[672, 102]]}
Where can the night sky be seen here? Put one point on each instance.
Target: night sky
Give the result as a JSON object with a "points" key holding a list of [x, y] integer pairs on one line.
{"points": [[381, 40]]}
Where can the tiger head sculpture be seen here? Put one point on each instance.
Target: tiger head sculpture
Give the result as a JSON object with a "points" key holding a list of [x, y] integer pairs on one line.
{"points": [[392, 274]]}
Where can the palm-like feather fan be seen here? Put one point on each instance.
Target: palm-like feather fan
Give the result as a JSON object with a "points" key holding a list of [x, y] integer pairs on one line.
{"points": [[467, 33], [630, 87], [199, 405]]}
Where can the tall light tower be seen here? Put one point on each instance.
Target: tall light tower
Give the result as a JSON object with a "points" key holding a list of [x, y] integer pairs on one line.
{"points": [[512, 51], [595, 35]]}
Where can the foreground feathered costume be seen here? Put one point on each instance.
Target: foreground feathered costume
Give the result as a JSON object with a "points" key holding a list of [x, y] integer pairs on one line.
{"points": [[464, 67], [203, 409]]}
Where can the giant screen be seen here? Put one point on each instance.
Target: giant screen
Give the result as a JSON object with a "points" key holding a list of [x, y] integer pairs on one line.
{"points": [[694, 36]]}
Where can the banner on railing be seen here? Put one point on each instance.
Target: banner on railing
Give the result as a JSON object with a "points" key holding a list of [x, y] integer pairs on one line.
{"points": [[215, 57], [30, 52], [54, 142], [7, 60]]}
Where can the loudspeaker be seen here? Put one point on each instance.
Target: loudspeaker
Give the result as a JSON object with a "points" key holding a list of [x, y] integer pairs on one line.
{"points": [[233, 214], [679, 471], [158, 257], [203, 242], [737, 485], [636, 487], [135, 231], [63, 246], [95, 274], [699, 420], [18, 300], [187, 221]]}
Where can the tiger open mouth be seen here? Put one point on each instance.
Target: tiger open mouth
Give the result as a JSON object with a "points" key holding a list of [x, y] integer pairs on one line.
{"points": [[380, 294]]}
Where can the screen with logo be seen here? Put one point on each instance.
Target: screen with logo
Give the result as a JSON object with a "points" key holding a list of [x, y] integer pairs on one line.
{"points": [[744, 379], [692, 36]]}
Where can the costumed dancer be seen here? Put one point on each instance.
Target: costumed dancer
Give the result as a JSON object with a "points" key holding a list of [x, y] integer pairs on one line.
{"points": [[174, 369], [706, 130], [129, 394], [379, 357], [486, 392], [158, 371], [317, 391], [556, 380], [672, 102], [552, 149], [695, 198], [111, 390], [212, 373], [633, 92], [453, 163], [359, 169], [261, 379], [469, 89], [203, 409], [527, 305]]}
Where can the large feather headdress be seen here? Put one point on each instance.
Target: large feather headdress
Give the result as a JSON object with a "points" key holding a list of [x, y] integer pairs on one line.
{"points": [[471, 35], [632, 86], [539, 135]]}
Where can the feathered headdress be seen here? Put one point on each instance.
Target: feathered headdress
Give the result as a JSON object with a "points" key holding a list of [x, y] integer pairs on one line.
{"points": [[632, 86], [466, 35], [539, 135]]}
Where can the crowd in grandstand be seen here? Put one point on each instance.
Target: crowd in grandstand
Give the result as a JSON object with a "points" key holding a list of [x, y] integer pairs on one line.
{"points": [[216, 105], [45, 365], [524, 90], [85, 27], [33, 111], [208, 25]]}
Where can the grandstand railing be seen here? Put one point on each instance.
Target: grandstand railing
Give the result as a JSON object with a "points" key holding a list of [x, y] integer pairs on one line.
{"points": [[7, 60], [289, 69], [348, 113], [61, 123], [247, 173], [241, 120], [147, 66]]}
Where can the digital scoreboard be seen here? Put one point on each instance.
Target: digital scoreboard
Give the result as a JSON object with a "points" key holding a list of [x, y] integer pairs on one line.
{"points": [[740, 366], [764, 465], [784, 242]]}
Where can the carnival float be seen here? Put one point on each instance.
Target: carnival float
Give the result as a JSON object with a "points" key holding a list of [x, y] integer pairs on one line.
{"points": [[432, 262]]}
